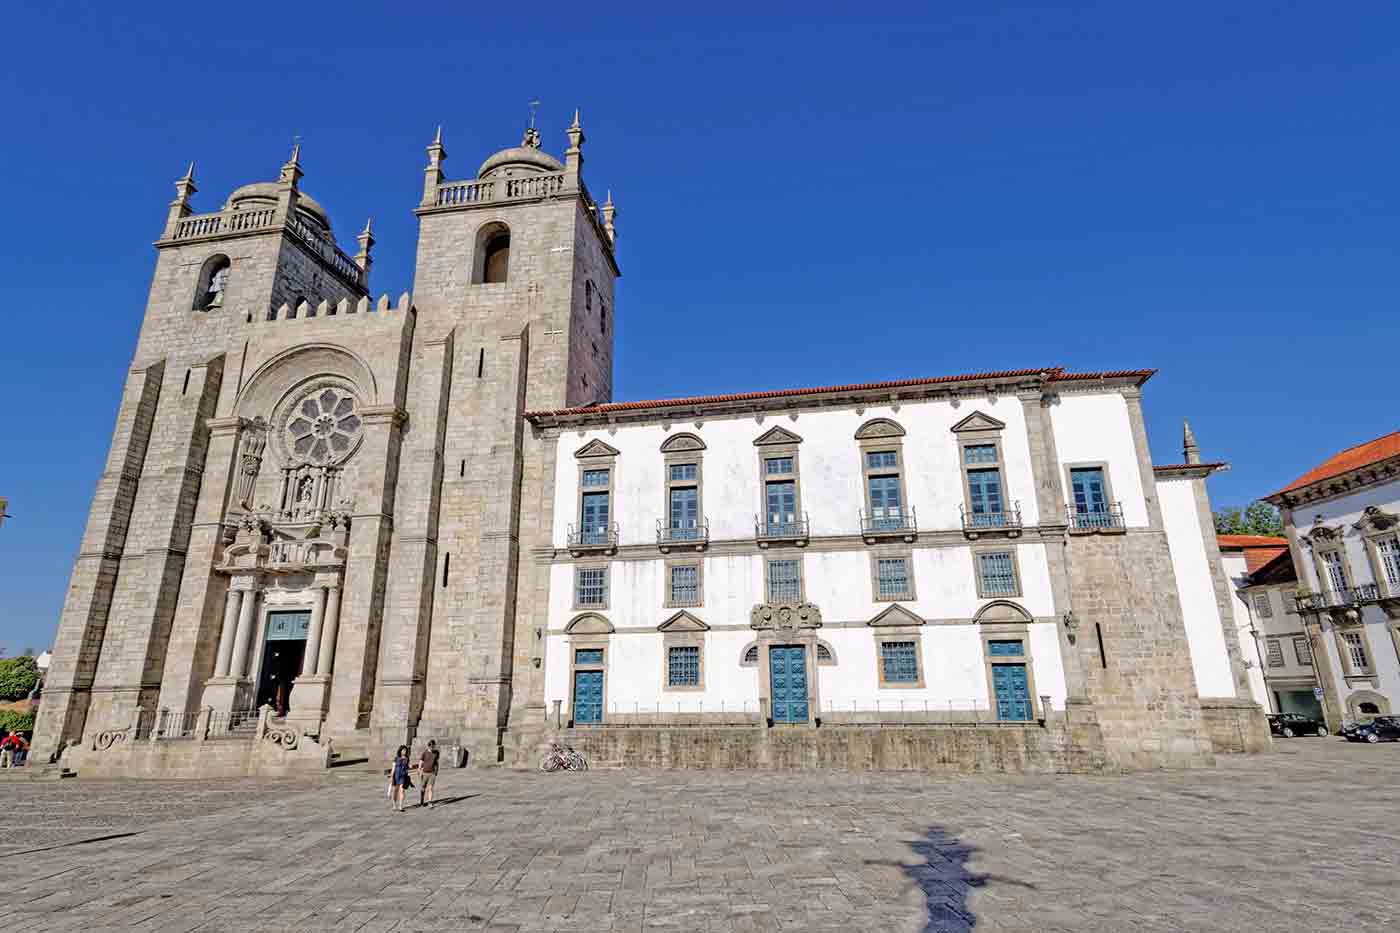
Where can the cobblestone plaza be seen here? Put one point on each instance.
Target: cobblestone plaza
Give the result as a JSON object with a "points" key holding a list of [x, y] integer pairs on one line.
{"points": [[1260, 842]]}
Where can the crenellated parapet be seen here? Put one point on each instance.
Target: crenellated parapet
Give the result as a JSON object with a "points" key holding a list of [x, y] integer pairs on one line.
{"points": [[382, 309]]}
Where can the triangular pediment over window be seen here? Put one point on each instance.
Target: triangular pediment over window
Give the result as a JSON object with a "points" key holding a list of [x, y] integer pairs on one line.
{"points": [[977, 421], [776, 435], [683, 622], [895, 615], [596, 448]]}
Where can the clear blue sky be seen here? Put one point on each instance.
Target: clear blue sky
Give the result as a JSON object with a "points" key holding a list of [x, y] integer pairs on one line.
{"points": [[1204, 188]]}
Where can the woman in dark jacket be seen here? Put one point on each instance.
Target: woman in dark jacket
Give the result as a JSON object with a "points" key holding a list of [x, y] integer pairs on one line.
{"points": [[399, 781]]}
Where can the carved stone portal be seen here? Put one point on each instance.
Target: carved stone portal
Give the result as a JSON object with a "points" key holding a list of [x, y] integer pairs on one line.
{"points": [[788, 617]]}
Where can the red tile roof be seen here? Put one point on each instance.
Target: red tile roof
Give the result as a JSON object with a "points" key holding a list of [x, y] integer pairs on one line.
{"points": [[1382, 448], [1251, 541], [1259, 550], [1051, 374], [1277, 569]]}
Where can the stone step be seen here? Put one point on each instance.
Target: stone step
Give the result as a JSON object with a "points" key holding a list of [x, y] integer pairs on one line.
{"points": [[36, 773]]}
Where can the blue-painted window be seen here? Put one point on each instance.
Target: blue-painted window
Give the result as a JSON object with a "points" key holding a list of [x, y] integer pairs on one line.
{"points": [[778, 466], [885, 508], [782, 507], [900, 661], [881, 460], [591, 587], [595, 517], [1090, 499], [595, 478], [685, 512], [980, 453], [1006, 649], [685, 585], [892, 577], [684, 472], [998, 572], [984, 489], [784, 581], [588, 656], [683, 666]]}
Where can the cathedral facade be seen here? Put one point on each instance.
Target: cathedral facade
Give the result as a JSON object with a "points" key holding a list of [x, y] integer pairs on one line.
{"points": [[371, 522]]}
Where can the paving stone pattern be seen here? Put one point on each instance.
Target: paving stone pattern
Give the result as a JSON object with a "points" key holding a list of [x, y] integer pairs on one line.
{"points": [[1305, 838]]}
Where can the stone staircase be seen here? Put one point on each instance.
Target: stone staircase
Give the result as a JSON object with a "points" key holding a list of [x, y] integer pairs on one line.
{"points": [[35, 773]]}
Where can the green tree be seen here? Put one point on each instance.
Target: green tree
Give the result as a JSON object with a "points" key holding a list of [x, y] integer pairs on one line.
{"points": [[1257, 518], [18, 676], [13, 720]]}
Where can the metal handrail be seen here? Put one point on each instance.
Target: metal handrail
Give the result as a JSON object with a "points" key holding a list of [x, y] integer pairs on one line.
{"points": [[991, 521], [781, 531], [1109, 516], [892, 521], [601, 535], [1335, 599], [671, 534]]}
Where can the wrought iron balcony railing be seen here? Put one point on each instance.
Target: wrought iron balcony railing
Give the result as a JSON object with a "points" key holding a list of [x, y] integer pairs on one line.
{"points": [[789, 529], [1007, 521], [601, 535], [694, 534], [1337, 599], [1107, 517], [880, 523]]}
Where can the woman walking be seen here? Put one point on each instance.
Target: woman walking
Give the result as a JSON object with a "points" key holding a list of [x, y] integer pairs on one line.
{"points": [[400, 781]]}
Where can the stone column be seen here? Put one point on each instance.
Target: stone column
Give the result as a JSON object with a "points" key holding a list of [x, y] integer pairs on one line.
{"points": [[313, 637], [231, 614], [326, 654], [244, 637]]}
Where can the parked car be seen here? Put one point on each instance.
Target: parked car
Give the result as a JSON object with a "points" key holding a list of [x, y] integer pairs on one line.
{"points": [[1290, 724], [1380, 729]]}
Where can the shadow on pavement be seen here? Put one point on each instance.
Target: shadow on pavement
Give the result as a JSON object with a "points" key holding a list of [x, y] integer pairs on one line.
{"points": [[944, 877]]}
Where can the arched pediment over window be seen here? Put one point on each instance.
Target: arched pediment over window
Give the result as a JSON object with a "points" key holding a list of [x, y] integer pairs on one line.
{"points": [[680, 443], [1002, 610], [879, 428], [589, 623]]}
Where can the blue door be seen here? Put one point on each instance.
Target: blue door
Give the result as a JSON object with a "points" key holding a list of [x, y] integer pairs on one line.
{"points": [[782, 507], [787, 665], [685, 512], [984, 489], [1012, 691], [595, 518], [588, 696], [1090, 504], [884, 502]]}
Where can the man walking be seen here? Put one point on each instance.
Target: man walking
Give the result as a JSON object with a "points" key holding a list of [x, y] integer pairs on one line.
{"points": [[427, 774]]}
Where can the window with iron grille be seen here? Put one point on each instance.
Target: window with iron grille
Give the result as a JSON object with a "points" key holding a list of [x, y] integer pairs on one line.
{"points": [[980, 453], [998, 573], [899, 661], [881, 460], [588, 657], [683, 472], [1262, 606], [595, 478], [1275, 652], [750, 655], [591, 587], [685, 585], [778, 466], [784, 581], [1302, 650], [823, 652], [683, 666], [892, 578], [1356, 651]]}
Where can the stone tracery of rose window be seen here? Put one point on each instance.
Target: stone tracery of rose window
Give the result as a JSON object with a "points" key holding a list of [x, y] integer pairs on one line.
{"points": [[323, 427]]}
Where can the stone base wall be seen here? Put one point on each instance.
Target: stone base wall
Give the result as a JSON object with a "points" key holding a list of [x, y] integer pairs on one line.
{"points": [[188, 758], [1235, 726], [1017, 749]]}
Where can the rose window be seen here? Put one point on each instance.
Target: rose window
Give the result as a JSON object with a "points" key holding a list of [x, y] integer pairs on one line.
{"points": [[324, 426]]}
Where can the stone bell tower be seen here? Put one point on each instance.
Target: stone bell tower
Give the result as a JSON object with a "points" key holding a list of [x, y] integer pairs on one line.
{"points": [[143, 604], [514, 286]]}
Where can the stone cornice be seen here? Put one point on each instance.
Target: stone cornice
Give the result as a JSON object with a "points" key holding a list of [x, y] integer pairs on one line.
{"points": [[1343, 484], [1189, 470]]}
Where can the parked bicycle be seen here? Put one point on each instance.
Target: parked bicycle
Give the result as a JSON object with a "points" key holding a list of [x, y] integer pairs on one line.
{"points": [[562, 757]]}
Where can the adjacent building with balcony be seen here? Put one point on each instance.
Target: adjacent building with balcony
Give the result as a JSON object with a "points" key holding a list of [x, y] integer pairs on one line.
{"points": [[1342, 520]]}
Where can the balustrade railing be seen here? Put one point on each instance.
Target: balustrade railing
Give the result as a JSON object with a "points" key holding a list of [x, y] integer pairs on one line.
{"points": [[223, 222], [328, 251], [455, 194]]}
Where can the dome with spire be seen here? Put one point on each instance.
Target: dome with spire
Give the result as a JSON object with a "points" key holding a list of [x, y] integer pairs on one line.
{"points": [[527, 158], [261, 195]]}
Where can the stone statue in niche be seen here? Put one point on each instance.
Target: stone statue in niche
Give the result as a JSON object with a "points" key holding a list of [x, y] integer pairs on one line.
{"points": [[304, 491], [254, 443]]}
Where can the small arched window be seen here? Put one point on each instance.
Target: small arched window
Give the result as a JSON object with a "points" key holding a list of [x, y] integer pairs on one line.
{"points": [[751, 655], [491, 259], [213, 282], [823, 652]]}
